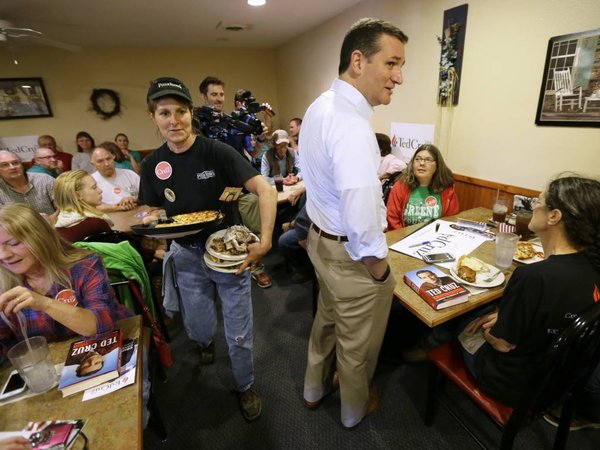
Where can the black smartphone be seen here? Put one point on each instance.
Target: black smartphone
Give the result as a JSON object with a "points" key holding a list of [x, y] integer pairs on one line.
{"points": [[435, 258], [13, 386]]}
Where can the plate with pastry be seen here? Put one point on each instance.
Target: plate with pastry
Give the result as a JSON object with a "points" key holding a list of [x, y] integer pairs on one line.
{"points": [[474, 272], [528, 252]]}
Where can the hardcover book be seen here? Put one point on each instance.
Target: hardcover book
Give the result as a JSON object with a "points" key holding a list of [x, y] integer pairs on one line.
{"points": [[91, 362], [435, 287]]}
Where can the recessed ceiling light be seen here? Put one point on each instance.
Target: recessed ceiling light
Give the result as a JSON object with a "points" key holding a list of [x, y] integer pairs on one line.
{"points": [[256, 2]]}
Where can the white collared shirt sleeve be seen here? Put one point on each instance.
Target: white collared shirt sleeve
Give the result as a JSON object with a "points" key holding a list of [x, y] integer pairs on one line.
{"points": [[265, 169]]}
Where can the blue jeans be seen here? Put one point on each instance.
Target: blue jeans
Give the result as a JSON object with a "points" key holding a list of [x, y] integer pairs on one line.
{"points": [[294, 254], [198, 289]]}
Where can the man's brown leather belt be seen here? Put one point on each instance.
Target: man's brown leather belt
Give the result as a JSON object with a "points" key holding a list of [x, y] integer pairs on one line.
{"points": [[329, 236]]}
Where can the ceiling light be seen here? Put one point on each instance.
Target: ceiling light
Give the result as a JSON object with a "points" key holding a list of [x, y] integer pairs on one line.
{"points": [[256, 2]]}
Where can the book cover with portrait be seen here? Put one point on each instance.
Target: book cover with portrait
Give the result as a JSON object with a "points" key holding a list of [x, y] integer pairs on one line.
{"points": [[435, 287], [90, 362]]}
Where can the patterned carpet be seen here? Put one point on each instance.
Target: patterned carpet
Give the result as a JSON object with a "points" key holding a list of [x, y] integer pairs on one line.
{"points": [[201, 412]]}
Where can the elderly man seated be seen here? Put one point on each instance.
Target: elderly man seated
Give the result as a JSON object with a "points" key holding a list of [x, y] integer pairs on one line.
{"points": [[63, 158], [34, 189], [45, 162], [280, 160], [119, 186]]}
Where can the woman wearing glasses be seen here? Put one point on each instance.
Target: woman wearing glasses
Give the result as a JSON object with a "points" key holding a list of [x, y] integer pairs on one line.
{"points": [[425, 191], [541, 299]]}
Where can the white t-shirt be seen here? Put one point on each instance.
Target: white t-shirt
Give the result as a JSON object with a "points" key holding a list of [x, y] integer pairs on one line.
{"points": [[125, 183]]}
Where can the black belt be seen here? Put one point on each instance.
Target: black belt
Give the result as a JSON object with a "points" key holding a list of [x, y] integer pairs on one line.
{"points": [[329, 236]]}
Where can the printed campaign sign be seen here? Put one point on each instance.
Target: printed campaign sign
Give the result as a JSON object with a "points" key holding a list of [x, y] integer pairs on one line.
{"points": [[407, 137], [23, 146], [443, 239]]}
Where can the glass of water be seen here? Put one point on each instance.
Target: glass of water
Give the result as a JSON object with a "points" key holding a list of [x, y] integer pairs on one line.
{"points": [[506, 244], [34, 363]]}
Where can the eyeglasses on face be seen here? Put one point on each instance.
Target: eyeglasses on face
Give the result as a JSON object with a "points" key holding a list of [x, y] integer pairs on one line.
{"points": [[427, 160], [46, 157]]}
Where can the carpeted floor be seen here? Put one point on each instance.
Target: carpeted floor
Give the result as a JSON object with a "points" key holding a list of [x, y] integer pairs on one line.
{"points": [[201, 412]]}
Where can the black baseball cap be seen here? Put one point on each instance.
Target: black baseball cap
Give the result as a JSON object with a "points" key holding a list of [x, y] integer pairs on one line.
{"points": [[166, 86]]}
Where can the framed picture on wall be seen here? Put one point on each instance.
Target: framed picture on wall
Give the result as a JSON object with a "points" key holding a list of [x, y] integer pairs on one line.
{"points": [[22, 98], [570, 92]]}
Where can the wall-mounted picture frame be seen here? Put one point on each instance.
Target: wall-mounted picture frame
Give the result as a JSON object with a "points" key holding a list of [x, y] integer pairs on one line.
{"points": [[570, 92], [22, 98]]}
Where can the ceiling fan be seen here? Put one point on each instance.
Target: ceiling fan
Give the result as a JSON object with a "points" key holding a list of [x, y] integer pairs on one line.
{"points": [[16, 37]]}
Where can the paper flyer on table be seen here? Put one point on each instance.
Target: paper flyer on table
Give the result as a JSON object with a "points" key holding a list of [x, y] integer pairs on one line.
{"points": [[126, 378], [445, 240]]}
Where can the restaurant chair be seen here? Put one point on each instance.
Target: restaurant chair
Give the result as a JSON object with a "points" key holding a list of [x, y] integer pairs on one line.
{"points": [[136, 270], [563, 88], [569, 363]]}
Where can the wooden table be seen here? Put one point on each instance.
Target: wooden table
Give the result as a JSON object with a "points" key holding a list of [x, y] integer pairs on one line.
{"points": [[123, 220], [114, 421], [401, 263], [284, 197]]}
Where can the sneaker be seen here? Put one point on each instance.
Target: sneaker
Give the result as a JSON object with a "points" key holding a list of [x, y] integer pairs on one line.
{"points": [[250, 404], [207, 354], [262, 278], [577, 423]]}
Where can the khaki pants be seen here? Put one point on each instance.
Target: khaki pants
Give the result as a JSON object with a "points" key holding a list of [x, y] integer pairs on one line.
{"points": [[348, 329], [250, 212]]}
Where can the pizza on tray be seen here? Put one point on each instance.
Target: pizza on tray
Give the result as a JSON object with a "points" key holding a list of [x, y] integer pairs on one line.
{"points": [[190, 219]]}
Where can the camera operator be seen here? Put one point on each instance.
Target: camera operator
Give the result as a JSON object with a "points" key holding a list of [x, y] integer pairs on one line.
{"points": [[214, 123], [235, 129]]}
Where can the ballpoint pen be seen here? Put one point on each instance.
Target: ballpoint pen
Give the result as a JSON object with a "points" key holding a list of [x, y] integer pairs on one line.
{"points": [[419, 244]]}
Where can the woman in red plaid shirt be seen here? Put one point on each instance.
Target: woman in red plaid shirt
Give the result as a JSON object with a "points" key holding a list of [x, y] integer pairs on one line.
{"points": [[60, 290]]}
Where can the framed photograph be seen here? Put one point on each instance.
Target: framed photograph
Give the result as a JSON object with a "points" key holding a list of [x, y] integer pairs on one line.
{"points": [[22, 98], [570, 92]]}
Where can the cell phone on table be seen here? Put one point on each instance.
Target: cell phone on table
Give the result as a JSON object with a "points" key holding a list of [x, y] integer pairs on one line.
{"points": [[435, 258], [15, 385]]}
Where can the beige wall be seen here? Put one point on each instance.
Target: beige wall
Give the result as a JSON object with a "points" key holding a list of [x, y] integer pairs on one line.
{"points": [[492, 131], [70, 77]]}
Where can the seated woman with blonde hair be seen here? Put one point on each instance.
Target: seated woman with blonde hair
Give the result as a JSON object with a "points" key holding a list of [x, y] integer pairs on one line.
{"points": [[424, 192], [60, 291], [76, 196]]}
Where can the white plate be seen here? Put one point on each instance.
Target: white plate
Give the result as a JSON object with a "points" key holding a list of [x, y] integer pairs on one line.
{"points": [[223, 264], [536, 258], [482, 276], [224, 269], [223, 256]]}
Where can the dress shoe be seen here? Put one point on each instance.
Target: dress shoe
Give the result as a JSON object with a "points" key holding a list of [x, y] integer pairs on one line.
{"points": [[372, 404], [335, 385]]}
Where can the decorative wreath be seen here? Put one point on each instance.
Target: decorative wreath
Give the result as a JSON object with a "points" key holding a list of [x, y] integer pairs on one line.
{"points": [[106, 103]]}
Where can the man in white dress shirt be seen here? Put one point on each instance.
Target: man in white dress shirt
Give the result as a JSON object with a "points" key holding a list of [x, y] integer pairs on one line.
{"points": [[119, 186], [346, 243]]}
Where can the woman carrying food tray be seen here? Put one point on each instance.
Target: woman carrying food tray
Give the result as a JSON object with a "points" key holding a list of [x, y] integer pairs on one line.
{"points": [[188, 173]]}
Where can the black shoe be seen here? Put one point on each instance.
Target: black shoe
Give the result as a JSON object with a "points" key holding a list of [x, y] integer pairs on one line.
{"points": [[250, 404], [207, 354], [301, 277]]}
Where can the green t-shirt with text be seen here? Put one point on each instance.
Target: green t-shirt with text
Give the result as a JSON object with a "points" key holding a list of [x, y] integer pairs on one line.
{"points": [[422, 206]]}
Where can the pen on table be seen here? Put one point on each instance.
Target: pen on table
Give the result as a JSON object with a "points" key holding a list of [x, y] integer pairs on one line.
{"points": [[419, 244]]}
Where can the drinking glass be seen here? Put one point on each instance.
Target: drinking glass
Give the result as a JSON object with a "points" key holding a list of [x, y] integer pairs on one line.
{"points": [[499, 210], [522, 224], [278, 183], [506, 244], [34, 363]]}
